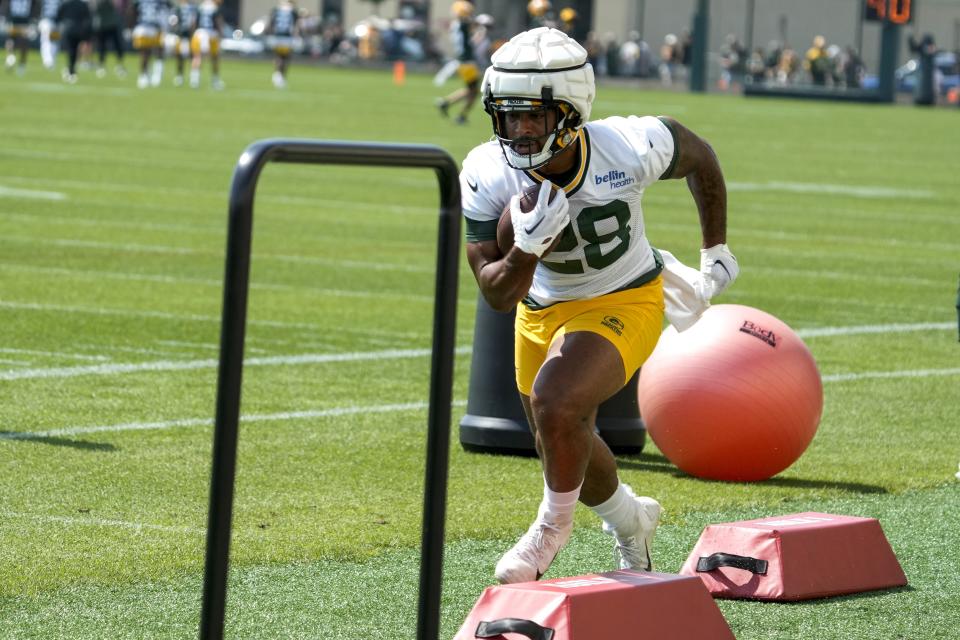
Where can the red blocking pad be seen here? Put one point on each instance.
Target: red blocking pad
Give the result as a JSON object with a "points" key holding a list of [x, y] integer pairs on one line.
{"points": [[618, 604], [794, 557]]}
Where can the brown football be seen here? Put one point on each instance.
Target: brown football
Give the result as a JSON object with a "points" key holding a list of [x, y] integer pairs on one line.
{"points": [[528, 200]]}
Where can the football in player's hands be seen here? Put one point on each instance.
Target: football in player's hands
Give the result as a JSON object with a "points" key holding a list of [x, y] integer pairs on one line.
{"points": [[528, 200]]}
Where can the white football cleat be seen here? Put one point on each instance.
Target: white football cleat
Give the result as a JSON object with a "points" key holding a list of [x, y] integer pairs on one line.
{"points": [[143, 81], [530, 558], [632, 547]]}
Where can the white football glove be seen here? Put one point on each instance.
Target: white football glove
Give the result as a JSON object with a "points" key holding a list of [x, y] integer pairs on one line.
{"points": [[535, 231], [719, 269]]}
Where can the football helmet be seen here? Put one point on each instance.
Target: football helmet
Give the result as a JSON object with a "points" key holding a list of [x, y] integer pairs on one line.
{"points": [[537, 8], [540, 69], [461, 9]]}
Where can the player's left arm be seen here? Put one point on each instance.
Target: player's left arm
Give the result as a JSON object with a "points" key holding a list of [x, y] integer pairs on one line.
{"points": [[696, 161]]}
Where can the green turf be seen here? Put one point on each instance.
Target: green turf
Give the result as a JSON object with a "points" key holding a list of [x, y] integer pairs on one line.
{"points": [[112, 235]]}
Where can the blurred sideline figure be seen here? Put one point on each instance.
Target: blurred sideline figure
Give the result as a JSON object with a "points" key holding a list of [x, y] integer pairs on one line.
{"points": [[817, 62], [18, 27], [149, 16], [587, 286], [462, 37], [540, 14], [107, 31], [568, 21], [74, 15], [483, 46], [49, 32], [183, 21], [283, 28], [206, 42]]}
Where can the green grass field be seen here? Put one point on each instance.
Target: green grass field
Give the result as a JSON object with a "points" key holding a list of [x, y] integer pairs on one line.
{"points": [[112, 234]]}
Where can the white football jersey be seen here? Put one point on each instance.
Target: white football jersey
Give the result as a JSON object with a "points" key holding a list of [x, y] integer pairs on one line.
{"points": [[604, 248]]}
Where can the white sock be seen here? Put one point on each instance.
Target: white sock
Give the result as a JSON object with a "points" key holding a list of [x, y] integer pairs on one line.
{"points": [[558, 507], [617, 511]]}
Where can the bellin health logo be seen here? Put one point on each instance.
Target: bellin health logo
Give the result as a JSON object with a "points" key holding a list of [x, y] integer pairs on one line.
{"points": [[614, 178]]}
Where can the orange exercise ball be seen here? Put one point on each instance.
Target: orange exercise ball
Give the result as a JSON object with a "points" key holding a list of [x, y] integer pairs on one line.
{"points": [[735, 397]]}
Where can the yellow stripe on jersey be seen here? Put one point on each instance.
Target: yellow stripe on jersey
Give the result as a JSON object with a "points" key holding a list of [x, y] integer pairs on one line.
{"points": [[577, 179]]}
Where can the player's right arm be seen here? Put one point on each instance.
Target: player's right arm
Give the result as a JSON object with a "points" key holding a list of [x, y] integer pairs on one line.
{"points": [[503, 279]]}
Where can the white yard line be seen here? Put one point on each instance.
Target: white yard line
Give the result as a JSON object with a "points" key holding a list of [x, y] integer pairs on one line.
{"points": [[31, 194], [212, 363], [55, 354], [867, 375], [207, 422], [819, 188], [108, 369], [100, 522], [875, 328]]}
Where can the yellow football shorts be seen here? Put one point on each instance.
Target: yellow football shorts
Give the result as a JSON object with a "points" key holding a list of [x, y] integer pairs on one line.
{"points": [[146, 37], [468, 72], [631, 319], [205, 42]]}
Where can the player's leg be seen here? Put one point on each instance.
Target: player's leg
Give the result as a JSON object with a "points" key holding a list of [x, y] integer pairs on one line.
{"points": [[216, 82], [9, 46], [141, 44], [47, 55], [114, 36], [471, 91], [156, 76], [581, 370], [72, 43], [179, 55], [100, 35], [196, 49]]}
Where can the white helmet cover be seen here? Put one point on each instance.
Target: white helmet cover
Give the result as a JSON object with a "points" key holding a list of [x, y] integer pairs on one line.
{"points": [[539, 68]]}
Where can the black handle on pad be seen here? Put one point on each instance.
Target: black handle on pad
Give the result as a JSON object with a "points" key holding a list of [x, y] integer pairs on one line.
{"points": [[717, 560], [528, 628]]}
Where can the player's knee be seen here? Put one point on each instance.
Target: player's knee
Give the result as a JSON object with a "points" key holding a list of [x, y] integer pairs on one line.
{"points": [[557, 414]]}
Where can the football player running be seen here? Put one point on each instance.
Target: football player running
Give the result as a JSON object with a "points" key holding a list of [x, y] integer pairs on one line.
{"points": [[461, 34], [49, 32], [18, 14], [284, 28], [206, 42], [183, 21], [584, 279], [148, 30]]}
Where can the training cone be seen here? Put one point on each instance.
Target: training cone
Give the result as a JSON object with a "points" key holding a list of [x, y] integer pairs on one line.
{"points": [[605, 606], [399, 72], [794, 557]]}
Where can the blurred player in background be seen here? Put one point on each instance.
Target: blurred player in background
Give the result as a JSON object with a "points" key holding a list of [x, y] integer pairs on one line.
{"points": [[283, 27], [149, 25], [18, 14], [49, 32], [206, 42], [461, 36], [568, 21], [107, 29], [590, 311], [76, 23], [182, 22], [540, 14]]}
